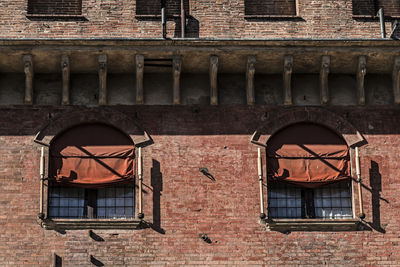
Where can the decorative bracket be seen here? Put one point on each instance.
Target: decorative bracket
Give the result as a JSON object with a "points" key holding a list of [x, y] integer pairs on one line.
{"points": [[361, 71], [176, 74], [103, 79], [213, 80], [251, 69], [139, 79], [28, 69], [65, 70], [287, 79], [323, 79]]}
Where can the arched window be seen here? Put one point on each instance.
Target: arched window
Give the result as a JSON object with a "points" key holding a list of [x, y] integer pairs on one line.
{"points": [[91, 173], [308, 173]]}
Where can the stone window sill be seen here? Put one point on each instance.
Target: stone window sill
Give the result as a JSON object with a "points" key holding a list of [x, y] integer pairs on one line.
{"points": [[55, 16], [272, 17], [289, 225], [78, 224], [157, 16], [372, 17]]}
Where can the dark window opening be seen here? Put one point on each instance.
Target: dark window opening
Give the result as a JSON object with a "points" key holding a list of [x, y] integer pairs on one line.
{"points": [[327, 202], [75, 202], [153, 7], [391, 8], [55, 7], [270, 7]]}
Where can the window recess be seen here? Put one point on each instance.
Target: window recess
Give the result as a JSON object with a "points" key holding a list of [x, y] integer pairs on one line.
{"points": [[369, 8], [270, 9], [309, 181], [62, 9], [152, 8], [91, 180]]}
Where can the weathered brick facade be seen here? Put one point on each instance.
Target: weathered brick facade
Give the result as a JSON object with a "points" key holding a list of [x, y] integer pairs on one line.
{"points": [[201, 100], [217, 19]]}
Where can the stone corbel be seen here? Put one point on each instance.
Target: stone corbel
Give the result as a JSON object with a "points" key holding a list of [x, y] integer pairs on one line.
{"points": [[250, 70], [139, 79], [361, 71], [65, 70], [396, 80], [213, 80], [176, 74], [28, 69], [287, 79], [323, 79], [103, 79]]}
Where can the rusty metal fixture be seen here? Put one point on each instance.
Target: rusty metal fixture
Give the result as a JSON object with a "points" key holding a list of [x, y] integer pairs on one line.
{"points": [[205, 238]]}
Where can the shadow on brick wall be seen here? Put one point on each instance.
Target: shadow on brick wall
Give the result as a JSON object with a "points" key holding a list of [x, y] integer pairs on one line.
{"points": [[192, 28], [375, 181], [156, 183]]}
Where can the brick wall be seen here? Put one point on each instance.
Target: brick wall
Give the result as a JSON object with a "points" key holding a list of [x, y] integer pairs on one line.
{"points": [[206, 19], [182, 203]]}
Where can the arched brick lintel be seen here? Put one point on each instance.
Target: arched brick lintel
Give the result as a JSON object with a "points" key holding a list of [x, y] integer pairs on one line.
{"points": [[119, 120], [316, 115]]}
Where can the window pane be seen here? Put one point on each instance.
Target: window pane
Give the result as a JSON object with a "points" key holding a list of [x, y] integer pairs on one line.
{"points": [[120, 211], [115, 202], [112, 202], [333, 201], [120, 202], [66, 202], [284, 201], [129, 212], [128, 202], [101, 212]]}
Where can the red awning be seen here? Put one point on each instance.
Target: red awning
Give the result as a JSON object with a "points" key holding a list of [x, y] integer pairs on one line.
{"points": [[308, 155], [92, 155]]}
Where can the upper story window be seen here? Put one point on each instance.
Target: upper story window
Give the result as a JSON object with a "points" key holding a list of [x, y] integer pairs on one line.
{"points": [[270, 8], [152, 8], [55, 7], [308, 174], [370, 7], [91, 173]]}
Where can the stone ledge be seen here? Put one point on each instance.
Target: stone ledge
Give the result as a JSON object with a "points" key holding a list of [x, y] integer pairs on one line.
{"points": [[79, 224], [288, 225]]}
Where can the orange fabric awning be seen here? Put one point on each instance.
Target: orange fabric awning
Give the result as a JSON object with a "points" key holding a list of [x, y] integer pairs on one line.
{"points": [[94, 166], [307, 155], [92, 155]]}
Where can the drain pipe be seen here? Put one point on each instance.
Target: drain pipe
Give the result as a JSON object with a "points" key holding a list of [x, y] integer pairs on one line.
{"points": [[381, 16], [163, 20], [183, 19]]}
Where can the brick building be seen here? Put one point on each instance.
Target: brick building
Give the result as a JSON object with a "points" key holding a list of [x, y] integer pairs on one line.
{"points": [[220, 133]]}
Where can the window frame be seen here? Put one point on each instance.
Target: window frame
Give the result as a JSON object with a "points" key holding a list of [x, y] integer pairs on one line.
{"points": [[373, 17], [39, 16], [313, 224], [61, 224], [286, 17], [307, 197], [287, 225]]}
